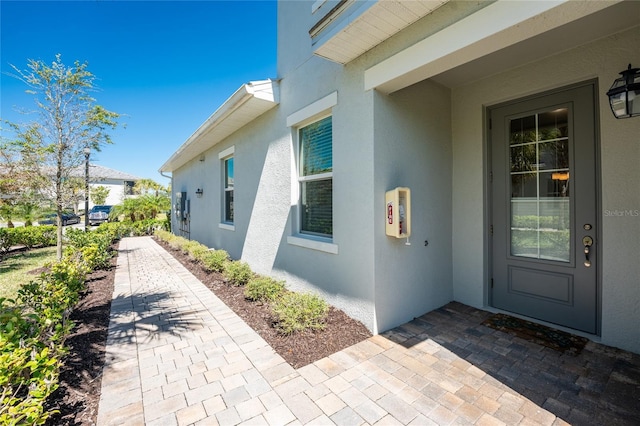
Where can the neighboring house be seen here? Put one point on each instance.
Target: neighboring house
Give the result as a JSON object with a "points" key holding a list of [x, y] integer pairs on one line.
{"points": [[120, 184], [493, 114]]}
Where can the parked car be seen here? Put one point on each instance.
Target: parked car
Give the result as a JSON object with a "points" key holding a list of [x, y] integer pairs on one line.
{"points": [[67, 219], [99, 214]]}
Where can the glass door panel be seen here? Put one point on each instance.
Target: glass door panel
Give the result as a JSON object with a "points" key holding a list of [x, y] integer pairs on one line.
{"points": [[540, 196]]}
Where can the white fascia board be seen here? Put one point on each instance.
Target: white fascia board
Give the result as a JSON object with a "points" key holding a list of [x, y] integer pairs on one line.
{"points": [[265, 92], [492, 28]]}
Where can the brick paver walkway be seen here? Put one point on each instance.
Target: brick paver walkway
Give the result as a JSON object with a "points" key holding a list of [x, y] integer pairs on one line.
{"points": [[177, 355]]}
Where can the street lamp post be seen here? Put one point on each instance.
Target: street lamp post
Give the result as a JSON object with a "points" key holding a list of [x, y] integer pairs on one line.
{"points": [[87, 152]]}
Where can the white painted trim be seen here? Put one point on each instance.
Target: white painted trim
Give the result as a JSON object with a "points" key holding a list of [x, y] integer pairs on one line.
{"points": [[227, 226], [227, 152], [313, 244], [492, 28], [318, 176], [310, 111]]}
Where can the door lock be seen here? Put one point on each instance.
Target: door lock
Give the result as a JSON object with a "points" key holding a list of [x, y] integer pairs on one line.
{"points": [[587, 242]]}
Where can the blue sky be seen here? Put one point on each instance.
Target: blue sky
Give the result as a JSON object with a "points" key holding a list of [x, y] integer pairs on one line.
{"points": [[164, 65]]}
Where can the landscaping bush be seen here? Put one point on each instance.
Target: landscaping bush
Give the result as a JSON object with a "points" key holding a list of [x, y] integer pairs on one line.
{"points": [[7, 239], [238, 272], [26, 236], [194, 248], [102, 240], [29, 237], [263, 289], [299, 311], [32, 333], [33, 328], [215, 260]]}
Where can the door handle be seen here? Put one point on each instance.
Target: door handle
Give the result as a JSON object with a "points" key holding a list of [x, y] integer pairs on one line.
{"points": [[587, 242]]}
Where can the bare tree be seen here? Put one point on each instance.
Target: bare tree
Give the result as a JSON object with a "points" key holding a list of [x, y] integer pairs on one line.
{"points": [[68, 121]]}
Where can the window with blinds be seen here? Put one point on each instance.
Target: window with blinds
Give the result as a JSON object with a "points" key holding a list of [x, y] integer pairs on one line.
{"points": [[316, 178], [228, 189]]}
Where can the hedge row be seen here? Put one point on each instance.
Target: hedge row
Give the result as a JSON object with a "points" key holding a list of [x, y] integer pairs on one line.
{"points": [[30, 236], [45, 236], [294, 312]]}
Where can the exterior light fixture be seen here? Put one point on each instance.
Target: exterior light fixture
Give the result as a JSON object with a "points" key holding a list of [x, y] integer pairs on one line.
{"points": [[560, 176], [624, 94], [199, 192]]}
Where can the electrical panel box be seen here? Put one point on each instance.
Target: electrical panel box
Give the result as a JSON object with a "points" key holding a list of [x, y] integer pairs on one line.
{"points": [[398, 223], [181, 207]]}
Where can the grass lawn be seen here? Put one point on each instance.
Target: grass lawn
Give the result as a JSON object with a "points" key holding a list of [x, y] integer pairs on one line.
{"points": [[14, 269]]}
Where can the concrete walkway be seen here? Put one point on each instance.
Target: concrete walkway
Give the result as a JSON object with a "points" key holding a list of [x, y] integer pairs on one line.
{"points": [[177, 355]]}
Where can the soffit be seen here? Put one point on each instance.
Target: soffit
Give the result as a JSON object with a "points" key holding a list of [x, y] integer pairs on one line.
{"points": [[364, 25], [249, 102]]}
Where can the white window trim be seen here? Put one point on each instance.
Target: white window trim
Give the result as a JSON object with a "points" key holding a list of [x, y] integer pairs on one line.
{"points": [[311, 242], [223, 155], [227, 152], [227, 226], [307, 115]]}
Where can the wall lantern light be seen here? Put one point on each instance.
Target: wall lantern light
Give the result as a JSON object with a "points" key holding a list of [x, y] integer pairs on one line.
{"points": [[199, 192], [624, 94]]}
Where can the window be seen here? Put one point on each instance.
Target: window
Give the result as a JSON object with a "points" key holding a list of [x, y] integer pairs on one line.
{"points": [[128, 187], [228, 189], [315, 176], [312, 182]]}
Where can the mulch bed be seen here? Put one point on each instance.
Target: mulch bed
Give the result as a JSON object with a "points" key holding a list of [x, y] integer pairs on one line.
{"points": [[78, 396], [298, 349]]}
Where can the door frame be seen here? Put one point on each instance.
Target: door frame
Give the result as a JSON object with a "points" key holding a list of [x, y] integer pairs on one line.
{"points": [[488, 198]]}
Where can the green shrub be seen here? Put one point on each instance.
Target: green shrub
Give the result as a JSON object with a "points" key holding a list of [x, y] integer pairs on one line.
{"points": [[146, 227], [215, 260], [7, 240], [26, 236], [167, 237], [238, 272], [46, 235], [32, 333], [298, 312], [194, 249], [28, 371], [79, 239], [29, 237], [263, 289], [113, 230]]}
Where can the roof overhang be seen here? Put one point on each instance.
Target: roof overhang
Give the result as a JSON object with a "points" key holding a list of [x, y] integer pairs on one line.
{"points": [[503, 35], [354, 27], [249, 102]]}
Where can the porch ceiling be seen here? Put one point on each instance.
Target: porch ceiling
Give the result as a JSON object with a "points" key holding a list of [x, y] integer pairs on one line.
{"points": [[249, 102], [501, 36]]}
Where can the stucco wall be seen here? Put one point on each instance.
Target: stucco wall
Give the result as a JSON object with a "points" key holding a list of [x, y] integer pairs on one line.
{"points": [[620, 174], [413, 149], [344, 279]]}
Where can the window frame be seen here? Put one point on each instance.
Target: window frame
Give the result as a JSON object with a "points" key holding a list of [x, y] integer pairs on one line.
{"points": [[224, 156], [317, 177], [310, 114], [128, 186]]}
